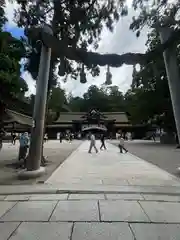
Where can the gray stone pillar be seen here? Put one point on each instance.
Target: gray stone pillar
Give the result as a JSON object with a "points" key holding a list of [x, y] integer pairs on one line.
{"points": [[173, 76], [37, 132]]}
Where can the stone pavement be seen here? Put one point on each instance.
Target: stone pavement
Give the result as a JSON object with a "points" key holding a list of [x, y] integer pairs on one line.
{"points": [[163, 155], [109, 168], [95, 197], [90, 217], [54, 151]]}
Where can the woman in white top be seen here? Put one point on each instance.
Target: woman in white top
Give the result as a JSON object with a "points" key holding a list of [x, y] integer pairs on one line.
{"points": [[121, 145], [92, 143]]}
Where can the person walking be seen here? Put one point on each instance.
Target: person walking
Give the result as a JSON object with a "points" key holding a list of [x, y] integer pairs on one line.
{"points": [[13, 138], [45, 137], [70, 137], [24, 145], [2, 134], [153, 136], [60, 137], [102, 142], [92, 143], [121, 145]]}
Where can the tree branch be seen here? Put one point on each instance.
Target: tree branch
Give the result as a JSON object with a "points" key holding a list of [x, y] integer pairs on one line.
{"points": [[60, 48]]}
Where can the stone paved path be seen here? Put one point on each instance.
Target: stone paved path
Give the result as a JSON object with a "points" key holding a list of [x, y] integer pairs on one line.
{"points": [[54, 151], [165, 156], [77, 216], [109, 168], [89, 217]]}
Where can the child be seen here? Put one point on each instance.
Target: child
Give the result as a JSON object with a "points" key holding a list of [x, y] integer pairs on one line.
{"points": [[121, 145]]}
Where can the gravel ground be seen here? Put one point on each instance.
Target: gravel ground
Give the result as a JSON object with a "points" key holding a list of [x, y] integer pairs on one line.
{"points": [[54, 151], [167, 157]]}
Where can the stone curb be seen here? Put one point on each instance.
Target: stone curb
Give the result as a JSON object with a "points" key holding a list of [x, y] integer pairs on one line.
{"points": [[42, 189]]}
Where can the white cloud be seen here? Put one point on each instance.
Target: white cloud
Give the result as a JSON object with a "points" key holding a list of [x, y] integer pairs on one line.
{"points": [[30, 82], [122, 40], [9, 10]]}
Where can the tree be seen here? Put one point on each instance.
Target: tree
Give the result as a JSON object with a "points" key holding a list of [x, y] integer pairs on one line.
{"points": [[95, 98], [104, 99], [57, 102], [116, 99], [12, 51], [149, 97], [77, 23], [76, 104], [57, 99]]}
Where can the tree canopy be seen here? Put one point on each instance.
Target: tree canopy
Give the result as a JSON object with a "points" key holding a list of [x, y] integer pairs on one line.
{"points": [[77, 23], [153, 14], [103, 98], [12, 51], [149, 100], [77, 26]]}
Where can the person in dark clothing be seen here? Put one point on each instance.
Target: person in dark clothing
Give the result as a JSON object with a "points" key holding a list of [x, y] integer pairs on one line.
{"points": [[70, 137], [2, 134], [13, 138], [102, 142], [60, 137]]}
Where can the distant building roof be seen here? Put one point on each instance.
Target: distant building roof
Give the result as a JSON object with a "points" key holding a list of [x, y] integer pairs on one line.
{"points": [[12, 116], [79, 116], [65, 119]]}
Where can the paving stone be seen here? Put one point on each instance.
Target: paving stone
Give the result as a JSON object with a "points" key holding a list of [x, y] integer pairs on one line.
{"points": [[114, 169], [119, 210], [111, 181], [49, 197], [162, 211], [165, 198], [156, 181], [5, 206], [30, 211], [156, 231], [86, 196], [83, 210], [6, 229], [2, 197], [102, 231], [17, 198], [43, 231], [125, 196]]}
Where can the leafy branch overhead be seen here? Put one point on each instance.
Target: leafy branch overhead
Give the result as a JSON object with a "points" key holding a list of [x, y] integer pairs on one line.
{"points": [[78, 23], [12, 51], [92, 58]]}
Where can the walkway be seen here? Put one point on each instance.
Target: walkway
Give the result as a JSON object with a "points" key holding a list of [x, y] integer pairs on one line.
{"points": [[96, 216], [109, 168], [164, 156]]}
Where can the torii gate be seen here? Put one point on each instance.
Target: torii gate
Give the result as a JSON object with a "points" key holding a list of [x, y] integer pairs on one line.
{"points": [[52, 44]]}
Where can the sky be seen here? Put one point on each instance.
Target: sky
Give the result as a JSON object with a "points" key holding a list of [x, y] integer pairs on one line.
{"points": [[122, 40]]}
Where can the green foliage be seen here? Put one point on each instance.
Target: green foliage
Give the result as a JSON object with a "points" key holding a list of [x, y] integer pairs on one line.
{"points": [[57, 99], [149, 97], [12, 51], [153, 14], [105, 99], [78, 23], [3, 18]]}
